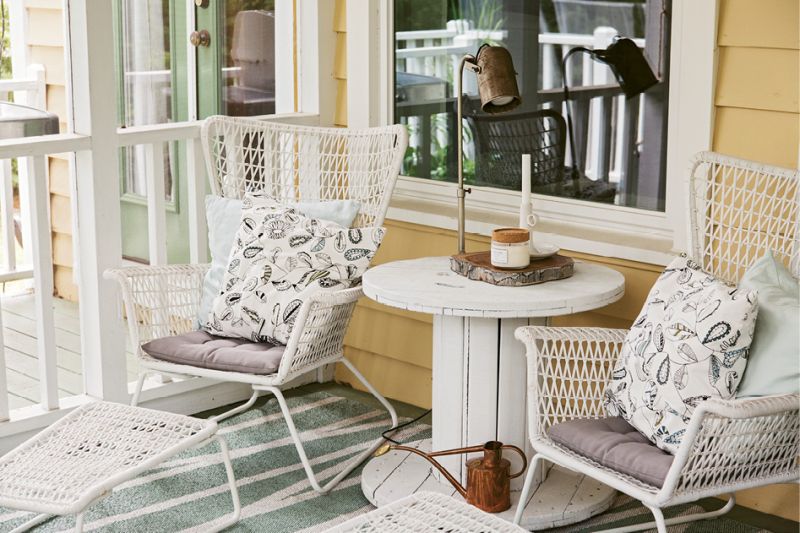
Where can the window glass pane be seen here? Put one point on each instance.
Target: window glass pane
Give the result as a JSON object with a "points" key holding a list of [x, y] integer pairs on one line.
{"points": [[147, 82], [248, 71], [618, 143]]}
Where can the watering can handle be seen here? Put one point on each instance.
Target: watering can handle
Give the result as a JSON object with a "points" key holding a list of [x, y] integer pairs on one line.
{"points": [[522, 455]]}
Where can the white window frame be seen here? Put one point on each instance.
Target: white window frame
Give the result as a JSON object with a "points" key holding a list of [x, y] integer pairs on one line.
{"points": [[601, 229]]}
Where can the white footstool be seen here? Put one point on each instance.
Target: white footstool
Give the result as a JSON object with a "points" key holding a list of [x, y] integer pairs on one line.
{"points": [[81, 458], [425, 512]]}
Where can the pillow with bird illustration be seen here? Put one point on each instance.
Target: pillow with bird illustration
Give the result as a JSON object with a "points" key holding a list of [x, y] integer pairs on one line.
{"points": [[280, 258], [689, 344]]}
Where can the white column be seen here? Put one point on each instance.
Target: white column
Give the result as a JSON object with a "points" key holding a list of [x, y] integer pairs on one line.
{"points": [[284, 61], [91, 54], [363, 63], [317, 44]]}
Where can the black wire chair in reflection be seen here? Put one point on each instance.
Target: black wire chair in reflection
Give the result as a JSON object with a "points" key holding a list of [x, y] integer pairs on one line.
{"points": [[500, 141]]}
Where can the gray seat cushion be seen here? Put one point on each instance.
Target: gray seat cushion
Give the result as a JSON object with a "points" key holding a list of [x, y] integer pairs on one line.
{"points": [[201, 349], [614, 443]]}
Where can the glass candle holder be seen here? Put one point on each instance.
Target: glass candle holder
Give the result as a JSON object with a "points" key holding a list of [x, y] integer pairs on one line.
{"points": [[510, 248]]}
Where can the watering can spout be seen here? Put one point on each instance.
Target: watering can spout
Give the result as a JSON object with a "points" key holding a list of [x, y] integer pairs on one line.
{"points": [[430, 458]]}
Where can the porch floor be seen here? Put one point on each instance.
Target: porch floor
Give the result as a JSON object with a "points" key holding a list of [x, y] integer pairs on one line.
{"points": [[190, 491], [22, 366]]}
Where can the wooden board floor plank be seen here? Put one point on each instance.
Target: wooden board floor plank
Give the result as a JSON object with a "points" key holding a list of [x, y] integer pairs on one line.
{"points": [[69, 382], [65, 339], [65, 318]]}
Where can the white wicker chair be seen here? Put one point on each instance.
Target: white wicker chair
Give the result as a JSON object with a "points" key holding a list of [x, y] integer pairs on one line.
{"points": [[291, 163], [739, 210]]}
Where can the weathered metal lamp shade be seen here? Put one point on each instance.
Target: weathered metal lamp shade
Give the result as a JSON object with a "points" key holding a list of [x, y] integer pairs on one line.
{"points": [[629, 66], [497, 80]]}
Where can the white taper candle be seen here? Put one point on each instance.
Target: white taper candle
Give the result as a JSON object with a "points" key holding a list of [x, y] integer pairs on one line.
{"points": [[525, 197]]}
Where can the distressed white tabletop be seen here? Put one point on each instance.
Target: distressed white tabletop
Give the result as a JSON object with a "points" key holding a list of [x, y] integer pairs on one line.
{"points": [[428, 285]]}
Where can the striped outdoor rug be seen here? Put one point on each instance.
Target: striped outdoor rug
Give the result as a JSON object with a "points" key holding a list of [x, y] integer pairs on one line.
{"points": [[189, 493]]}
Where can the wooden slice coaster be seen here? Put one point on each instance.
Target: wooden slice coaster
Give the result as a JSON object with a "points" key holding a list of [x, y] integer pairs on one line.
{"points": [[478, 266]]}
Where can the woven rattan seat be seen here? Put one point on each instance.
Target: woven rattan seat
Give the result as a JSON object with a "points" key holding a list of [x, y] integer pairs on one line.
{"points": [[427, 512], [83, 456]]}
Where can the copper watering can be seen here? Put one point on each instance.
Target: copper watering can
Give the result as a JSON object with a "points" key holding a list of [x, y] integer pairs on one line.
{"points": [[488, 478]]}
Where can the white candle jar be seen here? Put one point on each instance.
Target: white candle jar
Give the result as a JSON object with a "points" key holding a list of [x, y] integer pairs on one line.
{"points": [[510, 248]]}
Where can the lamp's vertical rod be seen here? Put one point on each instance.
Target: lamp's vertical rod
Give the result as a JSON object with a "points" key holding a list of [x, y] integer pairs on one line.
{"points": [[461, 192]]}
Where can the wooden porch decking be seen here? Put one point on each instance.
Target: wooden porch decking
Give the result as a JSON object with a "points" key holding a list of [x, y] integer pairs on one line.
{"points": [[22, 366]]}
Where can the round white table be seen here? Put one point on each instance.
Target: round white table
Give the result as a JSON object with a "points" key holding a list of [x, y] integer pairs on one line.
{"points": [[480, 378]]}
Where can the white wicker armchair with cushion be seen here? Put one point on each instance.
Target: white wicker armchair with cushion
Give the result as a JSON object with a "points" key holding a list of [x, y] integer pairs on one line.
{"points": [[739, 210], [290, 163]]}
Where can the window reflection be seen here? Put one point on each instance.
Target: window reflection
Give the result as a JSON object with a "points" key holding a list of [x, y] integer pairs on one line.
{"points": [[620, 144]]}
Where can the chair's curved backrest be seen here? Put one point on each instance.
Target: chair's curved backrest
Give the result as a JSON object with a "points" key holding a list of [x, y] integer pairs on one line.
{"points": [[501, 139], [739, 210], [304, 163]]}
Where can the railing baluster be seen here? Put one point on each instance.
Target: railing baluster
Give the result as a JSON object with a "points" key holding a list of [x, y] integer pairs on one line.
{"points": [[3, 377], [43, 280], [156, 213], [630, 160], [7, 207], [603, 139], [196, 191]]}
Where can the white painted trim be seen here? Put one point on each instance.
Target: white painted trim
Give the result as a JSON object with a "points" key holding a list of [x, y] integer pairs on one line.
{"points": [[690, 126], [659, 235], [284, 57], [316, 43]]}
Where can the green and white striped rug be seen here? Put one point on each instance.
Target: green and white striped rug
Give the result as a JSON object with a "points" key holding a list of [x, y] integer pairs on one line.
{"points": [[190, 492]]}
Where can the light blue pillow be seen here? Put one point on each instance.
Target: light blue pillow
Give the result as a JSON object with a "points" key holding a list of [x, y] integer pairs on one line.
{"points": [[224, 216], [773, 365]]}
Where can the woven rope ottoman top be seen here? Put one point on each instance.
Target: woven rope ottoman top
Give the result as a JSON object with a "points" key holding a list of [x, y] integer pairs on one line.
{"points": [[90, 451], [425, 512]]}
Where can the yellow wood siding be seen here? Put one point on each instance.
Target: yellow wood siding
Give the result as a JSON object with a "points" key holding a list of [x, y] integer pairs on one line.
{"points": [[756, 117], [340, 62], [45, 42], [758, 81]]}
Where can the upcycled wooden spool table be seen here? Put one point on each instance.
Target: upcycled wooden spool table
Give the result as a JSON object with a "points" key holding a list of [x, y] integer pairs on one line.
{"points": [[480, 378]]}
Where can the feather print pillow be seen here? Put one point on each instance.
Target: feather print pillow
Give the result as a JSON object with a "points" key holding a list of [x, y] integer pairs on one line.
{"points": [[281, 257], [689, 344]]}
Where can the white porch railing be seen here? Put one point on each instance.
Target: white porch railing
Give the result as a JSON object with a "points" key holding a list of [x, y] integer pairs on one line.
{"points": [[30, 91], [34, 151]]}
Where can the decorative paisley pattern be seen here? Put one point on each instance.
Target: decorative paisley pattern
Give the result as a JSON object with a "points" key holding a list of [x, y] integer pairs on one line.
{"points": [[689, 343], [279, 259]]}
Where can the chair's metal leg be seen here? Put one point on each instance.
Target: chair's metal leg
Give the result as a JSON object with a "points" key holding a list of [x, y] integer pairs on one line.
{"points": [[526, 487], [389, 407], [237, 506], [35, 521], [138, 390], [238, 409], [661, 525], [298, 444], [79, 522]]}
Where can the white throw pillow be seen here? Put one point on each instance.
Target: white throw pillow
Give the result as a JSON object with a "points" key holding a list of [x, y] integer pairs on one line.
{"points": [[224, 216], [280, 258], [689, 343]]}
